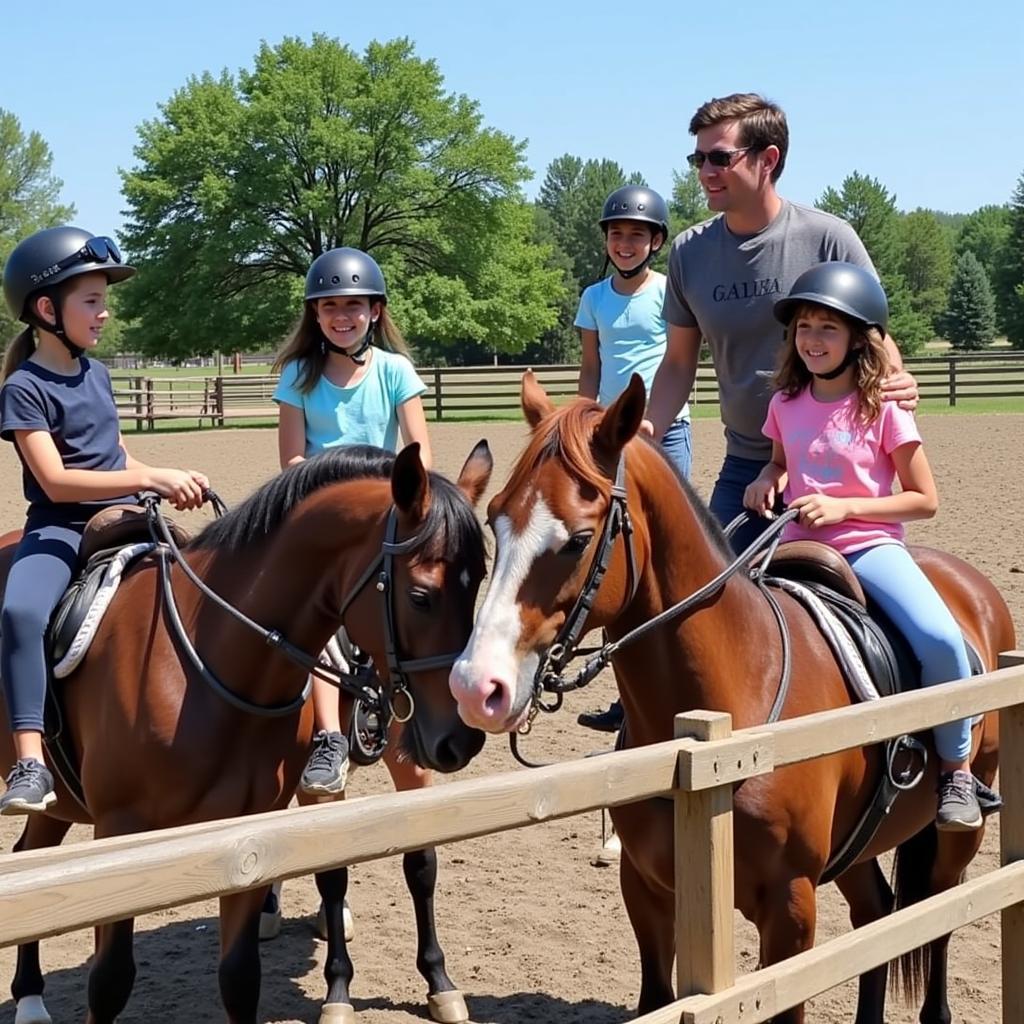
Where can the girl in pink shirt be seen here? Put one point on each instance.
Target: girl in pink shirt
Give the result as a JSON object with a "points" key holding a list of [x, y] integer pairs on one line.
{"points": [[837, 449]]}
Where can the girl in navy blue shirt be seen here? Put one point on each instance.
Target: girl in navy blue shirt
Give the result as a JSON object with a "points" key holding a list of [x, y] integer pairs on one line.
{"points": [[57, 407]]}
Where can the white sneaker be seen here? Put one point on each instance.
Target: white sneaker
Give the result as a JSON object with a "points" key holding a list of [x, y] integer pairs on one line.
{"points": [[610, 853]]}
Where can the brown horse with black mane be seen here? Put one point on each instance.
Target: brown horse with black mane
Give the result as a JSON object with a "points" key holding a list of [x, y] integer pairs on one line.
{"points": [[158, 747], [724, 654]]}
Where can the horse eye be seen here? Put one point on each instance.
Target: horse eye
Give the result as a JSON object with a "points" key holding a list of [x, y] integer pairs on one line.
{"points": [[419, 597], [577, 543]]}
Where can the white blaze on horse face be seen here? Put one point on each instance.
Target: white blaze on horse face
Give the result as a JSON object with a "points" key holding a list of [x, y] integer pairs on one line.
{"points": [[490, 682]]}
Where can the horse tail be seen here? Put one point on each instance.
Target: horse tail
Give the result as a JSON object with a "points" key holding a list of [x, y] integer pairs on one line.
{"points": [[912, 871]]}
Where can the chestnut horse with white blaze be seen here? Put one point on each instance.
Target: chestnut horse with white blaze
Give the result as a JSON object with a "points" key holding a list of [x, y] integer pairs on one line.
{"points": [[159, 745], [724, 654]]}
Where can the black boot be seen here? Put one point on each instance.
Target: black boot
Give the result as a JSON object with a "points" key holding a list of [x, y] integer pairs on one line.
{"points": [[603, 721]]}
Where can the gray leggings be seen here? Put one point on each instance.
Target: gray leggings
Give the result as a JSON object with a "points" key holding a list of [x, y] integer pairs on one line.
{"points": [[44, 562]]}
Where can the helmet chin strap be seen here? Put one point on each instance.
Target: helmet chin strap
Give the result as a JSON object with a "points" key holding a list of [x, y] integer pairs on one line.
{"points": [[638, 269], [848, 361], [56, 328], [354, 356]]}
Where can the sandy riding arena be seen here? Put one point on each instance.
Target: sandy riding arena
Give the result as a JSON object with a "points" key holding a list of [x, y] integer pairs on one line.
{"points": [[532, 931]]}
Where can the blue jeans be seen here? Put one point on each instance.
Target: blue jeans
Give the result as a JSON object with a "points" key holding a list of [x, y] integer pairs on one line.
{"points": [[677, 444], [44, 562], [891, 577], [734, 477]]}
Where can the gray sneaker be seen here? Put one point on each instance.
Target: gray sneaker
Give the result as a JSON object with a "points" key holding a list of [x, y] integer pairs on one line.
{"points": [[959, 810], [29, 788], [327, 767]]}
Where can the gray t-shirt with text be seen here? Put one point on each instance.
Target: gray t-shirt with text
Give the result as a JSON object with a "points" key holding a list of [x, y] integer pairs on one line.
{"points": [[727, 284]]}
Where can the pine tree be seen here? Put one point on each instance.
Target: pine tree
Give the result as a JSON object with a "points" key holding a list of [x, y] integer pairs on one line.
{"points": [[970, 318], [1010, 278]]}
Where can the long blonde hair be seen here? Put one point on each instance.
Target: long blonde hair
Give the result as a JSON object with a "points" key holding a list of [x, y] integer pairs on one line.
{"points": [[870, 362], [306, 343]]}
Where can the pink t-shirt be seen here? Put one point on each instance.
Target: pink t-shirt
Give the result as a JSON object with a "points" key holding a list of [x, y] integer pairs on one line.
{"points": [[829, 450]]}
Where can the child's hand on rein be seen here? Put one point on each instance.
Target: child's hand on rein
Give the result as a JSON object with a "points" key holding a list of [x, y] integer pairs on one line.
{"points": [[821, 510]]}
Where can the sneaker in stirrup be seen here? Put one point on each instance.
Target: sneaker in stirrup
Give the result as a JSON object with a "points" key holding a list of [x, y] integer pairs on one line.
{"points": [[29, 788], [958, 809], [327, 768]]}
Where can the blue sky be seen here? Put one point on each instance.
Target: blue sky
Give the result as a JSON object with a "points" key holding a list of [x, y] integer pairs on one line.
{"points": [[927, 97]]}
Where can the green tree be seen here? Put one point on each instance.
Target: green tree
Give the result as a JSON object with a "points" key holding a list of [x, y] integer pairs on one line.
{"points": [[871, 210], [243, 181], [969, 321], [573, 193], [1009, 277], [688, 204], [926, 262], [29, 195]]}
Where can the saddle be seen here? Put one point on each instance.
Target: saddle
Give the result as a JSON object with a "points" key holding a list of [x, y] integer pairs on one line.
{"points": [[115, 539], [876, 661]]}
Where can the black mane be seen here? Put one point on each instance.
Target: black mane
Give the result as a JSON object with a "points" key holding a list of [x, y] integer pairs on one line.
{"points": [[450, 526]]}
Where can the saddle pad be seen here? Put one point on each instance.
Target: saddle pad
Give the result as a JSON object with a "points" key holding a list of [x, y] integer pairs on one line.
{"points": [[83, 607]]}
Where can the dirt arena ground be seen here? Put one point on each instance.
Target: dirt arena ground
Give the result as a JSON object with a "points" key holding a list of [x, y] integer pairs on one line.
{"points": [[532, 931]]}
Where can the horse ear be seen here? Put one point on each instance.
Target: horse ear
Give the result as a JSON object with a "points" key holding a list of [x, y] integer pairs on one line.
{"points": [[410, 485], [476, 472], [535, 401], [622, 419]]}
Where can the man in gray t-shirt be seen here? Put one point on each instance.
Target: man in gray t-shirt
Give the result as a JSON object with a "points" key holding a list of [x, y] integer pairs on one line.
{"points": [[724, 277]]}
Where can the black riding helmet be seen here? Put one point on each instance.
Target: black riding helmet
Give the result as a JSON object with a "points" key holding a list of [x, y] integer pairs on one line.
{"points": [[636, 203], [844, 287], [345, 271], [49, 258]]}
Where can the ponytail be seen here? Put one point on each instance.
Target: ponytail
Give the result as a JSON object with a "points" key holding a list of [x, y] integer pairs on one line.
{"points": [[17, 352]]}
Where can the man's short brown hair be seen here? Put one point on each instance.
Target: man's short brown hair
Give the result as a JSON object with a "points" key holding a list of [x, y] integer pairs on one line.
{"points": [[762, 123]]}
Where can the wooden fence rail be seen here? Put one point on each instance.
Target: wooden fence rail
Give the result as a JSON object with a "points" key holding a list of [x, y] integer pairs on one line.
{"points": [[472, 391], [50, 891]]}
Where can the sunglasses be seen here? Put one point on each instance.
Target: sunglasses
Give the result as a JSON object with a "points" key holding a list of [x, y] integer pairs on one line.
{"points": [[97, 250], [717, 157]]}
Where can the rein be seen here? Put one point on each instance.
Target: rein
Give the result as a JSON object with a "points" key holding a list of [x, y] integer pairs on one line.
{"points": [[371, 704], [550, 677]]}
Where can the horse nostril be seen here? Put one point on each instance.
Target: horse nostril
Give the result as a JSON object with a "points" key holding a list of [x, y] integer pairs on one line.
{"points": [[495, 702]]}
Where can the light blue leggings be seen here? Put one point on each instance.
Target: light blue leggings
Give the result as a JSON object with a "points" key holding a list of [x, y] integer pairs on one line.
{"points": [[891, 577]]}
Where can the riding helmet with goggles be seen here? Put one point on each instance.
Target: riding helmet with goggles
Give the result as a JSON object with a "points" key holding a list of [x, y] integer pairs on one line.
{"points": [[49, 258], [844, 287]]}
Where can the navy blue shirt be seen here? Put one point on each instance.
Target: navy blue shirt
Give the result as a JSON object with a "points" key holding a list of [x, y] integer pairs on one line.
{"points": [[78, 412]]}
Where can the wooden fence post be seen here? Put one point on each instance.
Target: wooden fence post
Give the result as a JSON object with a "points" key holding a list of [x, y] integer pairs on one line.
{"points": [[705, 960], [1011, 843], [952, 381], [137, 384], [438, 411], [218, 396], [150, 404]]}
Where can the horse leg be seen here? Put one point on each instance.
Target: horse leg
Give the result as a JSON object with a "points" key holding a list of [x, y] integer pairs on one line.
{"points": [[239, 970], [338, 970], [113, 971], [651, 913], [870, 898], [27, 988], [444, 1001], [786, 925]]}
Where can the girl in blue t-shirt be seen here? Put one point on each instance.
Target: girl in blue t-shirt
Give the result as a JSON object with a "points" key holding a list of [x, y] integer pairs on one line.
{"points": [[57, 406], [346, 378]]}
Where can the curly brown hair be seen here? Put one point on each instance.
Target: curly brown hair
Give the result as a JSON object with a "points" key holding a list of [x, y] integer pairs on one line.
{"points": [[870, 362]]}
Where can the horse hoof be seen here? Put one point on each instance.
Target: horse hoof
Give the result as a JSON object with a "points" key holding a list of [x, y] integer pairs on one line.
{"points": [[337, 1013], [347, 918], [31, 1011], [448, 1007]]}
